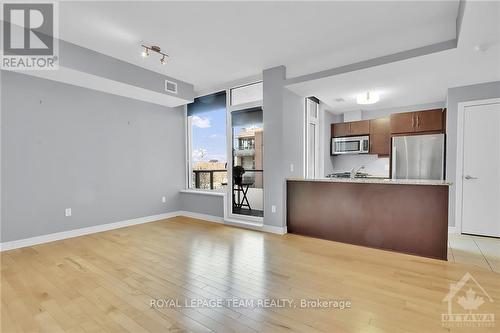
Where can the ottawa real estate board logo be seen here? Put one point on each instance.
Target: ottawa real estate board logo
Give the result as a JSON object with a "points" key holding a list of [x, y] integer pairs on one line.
{"points": [[29, 36], [468, 305]]}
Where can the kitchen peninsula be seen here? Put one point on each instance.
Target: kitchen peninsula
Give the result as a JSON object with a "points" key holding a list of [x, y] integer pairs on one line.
{"points": [[403, 215]]}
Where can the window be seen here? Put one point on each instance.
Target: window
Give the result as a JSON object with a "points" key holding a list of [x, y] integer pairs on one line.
{"points": [[246, 94], [312, 137], [207, 153]]}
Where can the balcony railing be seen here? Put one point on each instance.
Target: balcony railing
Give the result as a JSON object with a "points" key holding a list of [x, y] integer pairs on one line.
{"points": [[245, 152], [211, 182]]}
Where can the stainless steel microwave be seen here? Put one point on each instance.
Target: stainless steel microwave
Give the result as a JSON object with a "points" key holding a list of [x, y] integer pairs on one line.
{"points": [[351, 145]]}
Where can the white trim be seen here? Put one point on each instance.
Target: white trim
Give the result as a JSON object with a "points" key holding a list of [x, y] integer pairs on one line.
{"points": [[205, 217], [204, 192], [141, 220], [228, 200], [452, 230], [274, 230], [460, 156], [229, 85], [187, 148], [82, 231], [317, 134], [235, 223], [245, 106], [255, 226]]}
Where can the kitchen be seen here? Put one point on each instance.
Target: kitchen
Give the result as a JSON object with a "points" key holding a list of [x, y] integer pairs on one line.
{"points": [[392, 177], [410, 148]]}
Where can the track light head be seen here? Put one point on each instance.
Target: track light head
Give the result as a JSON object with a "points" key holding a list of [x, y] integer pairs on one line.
{"points": [[155, 49]]}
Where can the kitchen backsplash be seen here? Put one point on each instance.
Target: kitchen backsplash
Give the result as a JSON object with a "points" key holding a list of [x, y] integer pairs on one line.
{"points": [[373, 164]]}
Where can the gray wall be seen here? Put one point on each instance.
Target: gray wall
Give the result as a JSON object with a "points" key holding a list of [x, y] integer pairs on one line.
{"points": [[293, 134], [88, 61], [455, 96], [107, 157], [274, 180], [202, 204]]}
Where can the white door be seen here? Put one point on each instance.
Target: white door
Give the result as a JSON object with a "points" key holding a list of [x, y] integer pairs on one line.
{"points": [[481, 170]]}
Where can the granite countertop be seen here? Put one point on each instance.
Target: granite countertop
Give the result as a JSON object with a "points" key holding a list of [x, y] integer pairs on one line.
{"points": [[374, 180]]}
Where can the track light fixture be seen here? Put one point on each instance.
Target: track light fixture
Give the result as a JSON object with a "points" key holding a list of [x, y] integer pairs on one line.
{"points": [[156, 49]]}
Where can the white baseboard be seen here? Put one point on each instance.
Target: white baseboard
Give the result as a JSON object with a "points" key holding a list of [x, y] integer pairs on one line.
{"points": [[121, 224], [452, 230], [206, 217], [274, 230], [235, 223], [82, 231]]}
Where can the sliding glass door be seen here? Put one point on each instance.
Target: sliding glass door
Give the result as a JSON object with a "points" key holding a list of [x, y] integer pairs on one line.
{"points": [[247, 162]]}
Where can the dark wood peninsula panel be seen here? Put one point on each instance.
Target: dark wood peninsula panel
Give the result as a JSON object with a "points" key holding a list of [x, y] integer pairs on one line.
{"points": [[398, 217]]}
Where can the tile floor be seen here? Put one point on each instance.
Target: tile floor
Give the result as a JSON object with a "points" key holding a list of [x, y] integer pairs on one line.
{"points": [[475, 250]]}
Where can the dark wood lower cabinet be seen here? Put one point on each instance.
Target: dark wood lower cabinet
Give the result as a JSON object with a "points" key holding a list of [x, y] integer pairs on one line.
{"points": [[404, 218]]}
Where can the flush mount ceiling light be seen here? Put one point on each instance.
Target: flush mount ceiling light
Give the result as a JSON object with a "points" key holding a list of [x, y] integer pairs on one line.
{"points": [[367, 98], [156, 49]]}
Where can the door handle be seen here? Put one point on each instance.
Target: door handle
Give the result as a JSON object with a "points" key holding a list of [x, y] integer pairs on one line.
{"points": [[468, 177]]}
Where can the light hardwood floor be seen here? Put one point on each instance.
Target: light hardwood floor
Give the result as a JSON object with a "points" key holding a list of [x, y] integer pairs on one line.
{"points": [[105, 283]]}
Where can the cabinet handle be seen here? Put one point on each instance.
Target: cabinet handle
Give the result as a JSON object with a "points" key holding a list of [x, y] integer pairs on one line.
{"points": [[413, 122], [418, 121]]}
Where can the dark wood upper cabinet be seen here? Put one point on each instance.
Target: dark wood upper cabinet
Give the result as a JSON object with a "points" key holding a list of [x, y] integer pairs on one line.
{"points": [[417, 122], [380, 136], [403, 122], [429, 121], [350, 128], [360, 127], [340, 129]]}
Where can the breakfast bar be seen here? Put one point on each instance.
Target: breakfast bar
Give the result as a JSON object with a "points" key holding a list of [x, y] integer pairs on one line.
{"points": [[408, 216]]}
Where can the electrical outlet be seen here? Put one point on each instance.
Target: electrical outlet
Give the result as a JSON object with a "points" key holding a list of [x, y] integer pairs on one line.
{"points": [[273, 209], [291, 167], [67, 212], [163, 199]]}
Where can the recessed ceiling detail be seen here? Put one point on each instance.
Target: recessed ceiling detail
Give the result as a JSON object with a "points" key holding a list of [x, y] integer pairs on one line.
{"points": [[209, 51]]}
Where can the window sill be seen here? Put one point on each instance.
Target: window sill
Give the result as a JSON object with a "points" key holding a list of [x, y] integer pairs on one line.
{"points": [[204, 192]]}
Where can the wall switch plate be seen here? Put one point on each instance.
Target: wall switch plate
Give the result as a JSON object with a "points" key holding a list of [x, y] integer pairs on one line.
{"points": [[291, 167], [67, 212], [273, 209], [163, 199]]}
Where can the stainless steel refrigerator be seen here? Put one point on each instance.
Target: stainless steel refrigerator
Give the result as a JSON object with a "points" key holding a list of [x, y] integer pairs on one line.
{"points": [[418, 157]]}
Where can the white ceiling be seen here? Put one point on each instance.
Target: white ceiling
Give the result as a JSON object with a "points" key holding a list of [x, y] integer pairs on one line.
{"points": [[211, 43], [423, 79]]}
